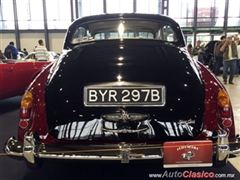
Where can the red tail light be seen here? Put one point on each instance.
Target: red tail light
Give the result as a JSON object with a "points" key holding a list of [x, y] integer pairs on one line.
{"points": [[224, 108], [227, 122], [23, 123], [25, 109]]}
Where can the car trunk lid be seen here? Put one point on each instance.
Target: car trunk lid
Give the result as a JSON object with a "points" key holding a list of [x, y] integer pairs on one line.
{"points": [[137, 64]]}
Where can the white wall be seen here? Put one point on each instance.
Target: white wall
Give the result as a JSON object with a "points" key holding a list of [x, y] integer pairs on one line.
{"points": [[5, 39], [30, 40], [56, 41]]}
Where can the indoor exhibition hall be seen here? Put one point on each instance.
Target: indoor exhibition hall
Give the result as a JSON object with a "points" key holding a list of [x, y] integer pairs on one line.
{"points": [[119, 89]]}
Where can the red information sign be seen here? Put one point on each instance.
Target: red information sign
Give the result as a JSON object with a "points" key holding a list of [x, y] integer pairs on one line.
{"points": [[187, 154]]}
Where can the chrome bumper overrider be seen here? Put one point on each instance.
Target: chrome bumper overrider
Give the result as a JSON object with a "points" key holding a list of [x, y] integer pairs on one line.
{"points": [[31, 149]]}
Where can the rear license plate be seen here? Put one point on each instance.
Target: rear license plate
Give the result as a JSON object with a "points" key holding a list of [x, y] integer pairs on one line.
{"points": [[124, 96], [187, 154]]}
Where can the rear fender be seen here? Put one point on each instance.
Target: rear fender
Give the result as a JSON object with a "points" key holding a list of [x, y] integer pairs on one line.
{"points": [[212, 120], [37, 122]]}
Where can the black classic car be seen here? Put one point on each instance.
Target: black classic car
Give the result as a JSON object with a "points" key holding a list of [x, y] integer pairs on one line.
{"points": [[125, 88]]}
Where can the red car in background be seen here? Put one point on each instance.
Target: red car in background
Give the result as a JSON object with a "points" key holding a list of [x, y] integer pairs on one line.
{"points": [[15, 76]]}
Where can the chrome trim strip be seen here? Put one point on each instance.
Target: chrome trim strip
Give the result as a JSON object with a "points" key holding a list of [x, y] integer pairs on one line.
{"points": [[187, 165], [124, 131], [79, 157]]}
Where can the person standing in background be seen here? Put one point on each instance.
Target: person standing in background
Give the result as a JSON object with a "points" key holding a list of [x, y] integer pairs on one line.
{"points": [[218, 55], [10, 51], [230, 56], [41, 53], [199, 51]]}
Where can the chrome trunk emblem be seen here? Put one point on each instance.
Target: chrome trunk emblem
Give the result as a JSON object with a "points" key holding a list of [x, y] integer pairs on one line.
{"points": [[125, 122], [124, 116]]}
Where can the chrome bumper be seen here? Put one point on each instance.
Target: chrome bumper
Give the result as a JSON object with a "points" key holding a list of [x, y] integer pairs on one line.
{"points": [[30, 149]]}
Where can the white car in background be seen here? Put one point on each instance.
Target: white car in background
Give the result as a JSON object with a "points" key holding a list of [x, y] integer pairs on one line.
{"points": [[52, 56], [21, 55]]}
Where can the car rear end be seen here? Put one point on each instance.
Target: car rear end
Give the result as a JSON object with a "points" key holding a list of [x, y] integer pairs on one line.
{"points": [[126, 99], [84, 115]]}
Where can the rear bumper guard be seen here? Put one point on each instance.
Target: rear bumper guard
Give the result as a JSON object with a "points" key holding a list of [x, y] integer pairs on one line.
{"points": [[30, 150]]}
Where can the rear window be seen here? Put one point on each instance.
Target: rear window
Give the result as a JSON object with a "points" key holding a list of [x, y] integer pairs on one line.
{"points": [[125, 29]]}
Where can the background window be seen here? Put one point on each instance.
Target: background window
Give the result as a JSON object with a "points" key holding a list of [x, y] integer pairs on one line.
{"points": [[79, 35], [217, 37], [90, 7], [189, 39], [7, 15], [210, 13], [204, 38], [234, 13], [119, 6], [168, 34], [30, 14], [181, 8], [182, 11], [147, 6], [58, 14]]}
